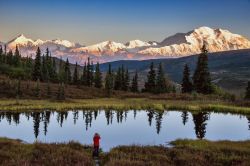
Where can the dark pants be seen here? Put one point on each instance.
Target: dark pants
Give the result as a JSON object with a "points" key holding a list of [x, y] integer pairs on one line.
{"points": [[96, 151]]}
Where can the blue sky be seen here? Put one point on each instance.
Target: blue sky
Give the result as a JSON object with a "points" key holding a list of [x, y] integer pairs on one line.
{"points": [[93, 21]]}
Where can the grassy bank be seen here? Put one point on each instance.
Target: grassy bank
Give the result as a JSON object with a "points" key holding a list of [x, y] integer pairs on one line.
{"points": [[184, 152], [123, 104], [13, 152]]}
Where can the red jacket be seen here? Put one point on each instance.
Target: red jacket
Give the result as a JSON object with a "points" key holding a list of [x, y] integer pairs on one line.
{"points": [[96, 140]]}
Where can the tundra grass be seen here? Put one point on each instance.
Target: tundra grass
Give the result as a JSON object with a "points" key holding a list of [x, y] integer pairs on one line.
{"points": [[184, 152], [122, 104], [14, 152]]}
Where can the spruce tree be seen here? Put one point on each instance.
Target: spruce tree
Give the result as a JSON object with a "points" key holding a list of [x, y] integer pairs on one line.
{"points": [[247, 96], [36, 74], [201, 78], [67, 73], [47, 54], [54, 75], [98, 77], [61, 72], [161, 83], [9, 58], [134, 86], [49, 65], [186, 83], [109, 81], [5, 49], [16, 58], [126, 81], [150, 84], [84, 75], [45, 73], [28, 63], [118, 79], [75, 76]]}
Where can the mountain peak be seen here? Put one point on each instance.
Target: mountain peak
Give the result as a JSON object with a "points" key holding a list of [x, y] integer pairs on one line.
{"points": [[65, 43], [136, 43], [203, 28], [183, 44], [21, 36], [20, 40]]}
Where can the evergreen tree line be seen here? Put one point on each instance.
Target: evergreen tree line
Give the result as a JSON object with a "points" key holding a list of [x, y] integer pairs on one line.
{"points": [[201, 80], [157, 82], [14, 61], [120, 80], [44, 68]]}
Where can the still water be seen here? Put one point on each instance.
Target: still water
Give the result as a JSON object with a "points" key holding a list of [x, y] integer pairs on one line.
{"points": [[122, 127]]}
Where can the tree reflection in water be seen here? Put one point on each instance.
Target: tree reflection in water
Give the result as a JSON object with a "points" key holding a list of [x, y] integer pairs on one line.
{"points": [[184, 116], [150, 117], [36, 121], [248, 118], [200, 123], [38, 118], [158, 120]]}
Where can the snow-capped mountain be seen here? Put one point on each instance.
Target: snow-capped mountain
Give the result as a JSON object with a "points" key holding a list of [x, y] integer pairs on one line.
{"points": [[28, 46], [190, 43], [104, 48], [137, 43], [178, 45], [21, 41]]}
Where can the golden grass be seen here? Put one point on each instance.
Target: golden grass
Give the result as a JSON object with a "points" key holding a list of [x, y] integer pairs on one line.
{"points": [[184, 152], [122, 104], [13, 152]]}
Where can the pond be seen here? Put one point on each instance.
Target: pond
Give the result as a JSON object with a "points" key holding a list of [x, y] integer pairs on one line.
{"points": [[122, 127]]}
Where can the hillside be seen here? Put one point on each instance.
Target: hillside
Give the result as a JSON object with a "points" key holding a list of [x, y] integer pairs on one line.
{"points": [[230, 69]]}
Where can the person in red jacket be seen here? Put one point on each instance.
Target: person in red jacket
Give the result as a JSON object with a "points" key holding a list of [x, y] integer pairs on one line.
{"points": [[96, 140]]}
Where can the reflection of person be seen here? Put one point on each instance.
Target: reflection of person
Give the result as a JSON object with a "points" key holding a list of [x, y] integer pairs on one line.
{"points": [[96, 140]]}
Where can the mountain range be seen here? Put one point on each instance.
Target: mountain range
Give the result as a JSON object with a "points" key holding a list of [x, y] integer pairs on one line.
{"points": [[178, 45]]}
